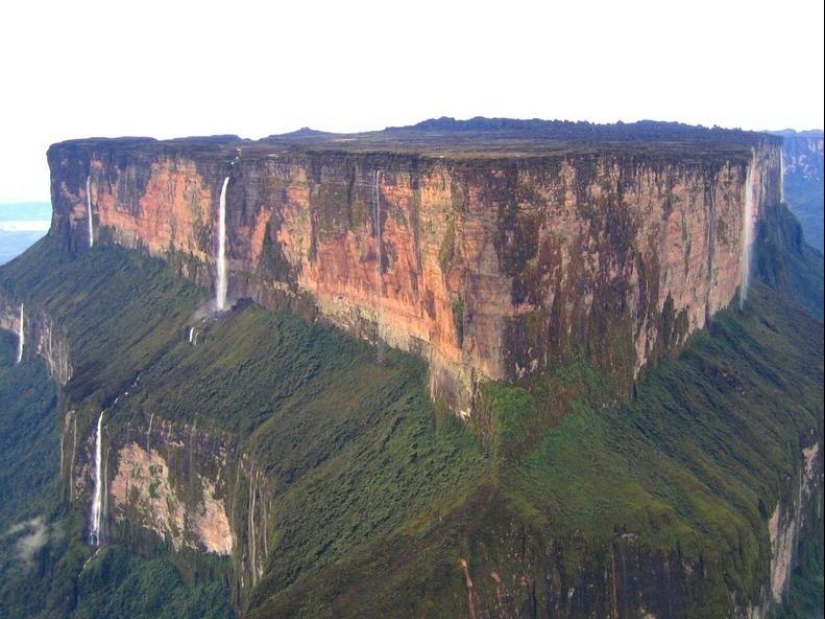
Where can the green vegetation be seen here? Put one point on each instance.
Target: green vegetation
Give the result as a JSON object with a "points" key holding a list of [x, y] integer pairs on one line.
{"points": [[685, 469], [29, 447], [447, 249], [120, 312], [42, 549], [332, 430], [690, 458], [786, 263], [382, 504], [28, 433], [118, 584], [115, 307], [805, 598], [459, 314]]}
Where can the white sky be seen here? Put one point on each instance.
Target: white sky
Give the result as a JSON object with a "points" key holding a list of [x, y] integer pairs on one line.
{"points": [[168, 68]]}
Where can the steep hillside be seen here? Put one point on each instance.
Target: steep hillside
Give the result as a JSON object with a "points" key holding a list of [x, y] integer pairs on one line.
{"points": [[787, 264], [45, 570], [307, 423], [349, 495], [661, 506]]}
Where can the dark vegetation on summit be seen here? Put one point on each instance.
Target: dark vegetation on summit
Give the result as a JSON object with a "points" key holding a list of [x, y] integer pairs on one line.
{"points": [[579, 131], [485, 137]]}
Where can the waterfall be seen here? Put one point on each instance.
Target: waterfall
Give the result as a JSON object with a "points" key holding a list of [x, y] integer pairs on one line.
{"points": [[89, 211], [220, 286], [748, 221], [252, 558], [74, 453], [376, 196], [149, 433], [782, 175], [192, 335], [105, 488], [97, 504], [21, 338], [190, 473]]}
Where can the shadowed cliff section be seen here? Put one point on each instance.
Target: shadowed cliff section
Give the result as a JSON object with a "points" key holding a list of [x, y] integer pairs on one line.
{"points": [[787, 264]]}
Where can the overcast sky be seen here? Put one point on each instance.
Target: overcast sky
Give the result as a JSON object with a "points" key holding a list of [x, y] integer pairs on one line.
{"points": [[168, 68]]}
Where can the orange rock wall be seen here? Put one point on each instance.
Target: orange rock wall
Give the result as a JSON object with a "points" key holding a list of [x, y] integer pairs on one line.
{"points": [[488, 268]]}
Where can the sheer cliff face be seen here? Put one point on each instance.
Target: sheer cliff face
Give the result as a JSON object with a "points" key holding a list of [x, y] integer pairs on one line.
{"points": [[490, 268], [41, 337]]}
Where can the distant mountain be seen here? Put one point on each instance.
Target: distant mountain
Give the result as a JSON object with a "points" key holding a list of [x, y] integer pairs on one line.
{"points": [[805, 181]]}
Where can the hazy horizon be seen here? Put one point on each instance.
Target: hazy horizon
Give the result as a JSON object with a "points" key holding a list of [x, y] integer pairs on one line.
{"points": [[21, 225]]}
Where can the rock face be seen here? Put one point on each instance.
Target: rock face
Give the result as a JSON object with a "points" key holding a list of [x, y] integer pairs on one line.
{"points": [[188, 511], [490, 264], [41, 337], [786, 522], [189, 487]]}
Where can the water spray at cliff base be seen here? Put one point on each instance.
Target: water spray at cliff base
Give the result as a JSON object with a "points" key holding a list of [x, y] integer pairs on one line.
{"points": [[221, 284]]}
